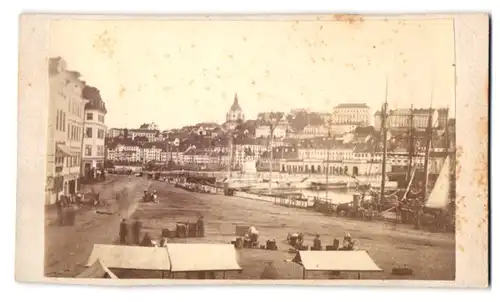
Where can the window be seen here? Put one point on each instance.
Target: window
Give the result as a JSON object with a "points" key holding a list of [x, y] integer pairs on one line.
{"points": [[60, 120], [100, 134], [90, 116], [69, 132], [88, 132], [100, 150], [64, 121], [101, 118], [88, 150], [57, 120]]}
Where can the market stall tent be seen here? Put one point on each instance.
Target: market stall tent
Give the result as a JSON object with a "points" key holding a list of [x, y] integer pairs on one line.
{"points": [[199, 257], [97, 270], [131, 257], [339, 261]]}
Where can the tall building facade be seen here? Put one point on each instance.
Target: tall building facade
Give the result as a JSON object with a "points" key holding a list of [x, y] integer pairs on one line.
{"points": [[351, 113], [115, 132], [95, 132], [403, 118], [65, 130]]}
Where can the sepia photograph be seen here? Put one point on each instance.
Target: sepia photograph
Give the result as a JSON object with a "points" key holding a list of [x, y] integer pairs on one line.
{"points": [[253, 148]]}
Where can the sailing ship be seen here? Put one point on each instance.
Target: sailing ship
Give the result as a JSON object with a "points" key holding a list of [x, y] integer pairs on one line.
{"points": [[439, 197]]}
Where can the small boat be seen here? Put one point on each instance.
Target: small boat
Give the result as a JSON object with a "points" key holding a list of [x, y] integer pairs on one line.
{"points": [[318, 186]]}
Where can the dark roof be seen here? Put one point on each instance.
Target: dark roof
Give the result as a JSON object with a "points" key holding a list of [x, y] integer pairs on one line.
{"points": [[235, 106], [143, 130], [207, 125], [196, 152], [53, 65], [96, 105], [74, 74], [112, 144], [157, 145], [250, 141], [352, 105], [364, 130], [95, 102], [364, 147]]}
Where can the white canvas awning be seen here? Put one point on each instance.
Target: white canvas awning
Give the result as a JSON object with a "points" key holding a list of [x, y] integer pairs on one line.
{"points": [[342, 261], [131, 257], [65, 150], [202, 257], [97, 270]]}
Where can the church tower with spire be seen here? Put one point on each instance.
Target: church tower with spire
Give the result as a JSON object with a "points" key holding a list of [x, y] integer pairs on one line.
{"points": [[235, 115]]}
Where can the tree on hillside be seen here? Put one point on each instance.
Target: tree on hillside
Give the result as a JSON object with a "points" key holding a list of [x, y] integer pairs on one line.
{"points": [[302, 119], [249, 152], [315, 119], [141, 139], [299, 121]]}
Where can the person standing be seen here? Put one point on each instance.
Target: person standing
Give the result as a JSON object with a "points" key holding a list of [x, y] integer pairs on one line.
{"points": [[98, 200], [136, 230], [201, 227], [418, 213], [123, 231], [59, 207], [317, 243], [78, 198]]}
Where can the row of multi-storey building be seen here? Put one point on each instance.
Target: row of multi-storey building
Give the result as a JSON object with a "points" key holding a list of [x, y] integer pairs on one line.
{"points": [[344, 118], [76, 131], [346, 131]]}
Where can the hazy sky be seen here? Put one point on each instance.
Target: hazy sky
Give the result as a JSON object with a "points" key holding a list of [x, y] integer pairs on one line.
{"points": [[177, 73]]}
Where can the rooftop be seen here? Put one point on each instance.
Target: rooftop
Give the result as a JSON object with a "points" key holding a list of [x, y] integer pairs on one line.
{"points": [[235, 106], [143, 130], [406, 111], [352, 105]]}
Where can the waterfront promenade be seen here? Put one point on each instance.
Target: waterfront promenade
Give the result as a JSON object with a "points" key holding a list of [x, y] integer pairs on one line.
{"points": [[430, 255]]}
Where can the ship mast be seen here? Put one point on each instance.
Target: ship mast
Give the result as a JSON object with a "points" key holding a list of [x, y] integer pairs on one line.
{"points": [[230, 155], [410, 146], [427, 151], [328, 157], [384, 138]]}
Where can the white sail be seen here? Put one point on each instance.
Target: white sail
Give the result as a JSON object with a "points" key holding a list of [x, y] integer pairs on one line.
{"points": [[439, 196]]}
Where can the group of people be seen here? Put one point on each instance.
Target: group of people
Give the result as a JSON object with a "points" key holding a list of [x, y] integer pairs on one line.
{"points": [[251, 237], [410, 210], [130, 233], [96, 174], [297, 241], [69, 201], [153, 196]]}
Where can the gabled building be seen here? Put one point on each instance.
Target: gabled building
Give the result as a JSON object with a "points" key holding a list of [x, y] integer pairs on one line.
{"points": [[95, 131], [65, 130]]}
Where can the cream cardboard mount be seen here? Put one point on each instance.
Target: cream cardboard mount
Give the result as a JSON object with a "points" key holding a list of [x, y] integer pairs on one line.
{"points": [[309, 98]]}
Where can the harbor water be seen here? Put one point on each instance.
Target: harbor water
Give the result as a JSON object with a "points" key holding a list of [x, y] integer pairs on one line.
{"points": [[336, 196]]}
